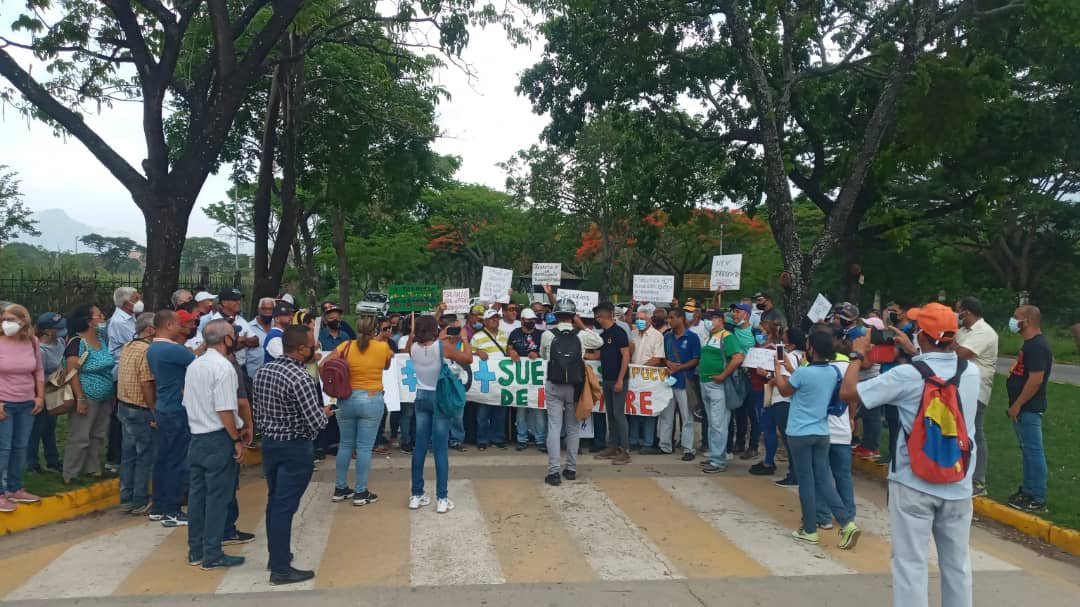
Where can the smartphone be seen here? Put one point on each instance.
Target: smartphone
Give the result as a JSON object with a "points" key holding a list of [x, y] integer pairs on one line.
{"points": [[882, 337], [333, 407], [779, 351]]}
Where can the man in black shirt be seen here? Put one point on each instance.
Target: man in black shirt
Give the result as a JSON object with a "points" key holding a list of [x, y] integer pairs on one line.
{"points": [[1027, 403], [768, 312], [614, 362], [524, 342]]}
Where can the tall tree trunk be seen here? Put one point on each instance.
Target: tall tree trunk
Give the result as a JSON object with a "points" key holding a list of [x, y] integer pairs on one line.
{"points": [[344, 278], [166, 229], [264, 193]]}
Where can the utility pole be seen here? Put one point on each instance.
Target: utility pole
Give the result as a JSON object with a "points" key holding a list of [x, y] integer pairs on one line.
{"points": [[236, 227]]}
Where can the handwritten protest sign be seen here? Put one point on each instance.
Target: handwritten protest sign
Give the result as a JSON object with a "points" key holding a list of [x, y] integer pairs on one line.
{"points": [[726, 272], [654, 288], [820, 309], [495, 284], [456, 300], [584, 300], [413, 298], [760, 358], [547, 274]]}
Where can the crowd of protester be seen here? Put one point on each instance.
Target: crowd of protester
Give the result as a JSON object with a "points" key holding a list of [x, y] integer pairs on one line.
{"points": [[177, 396]]}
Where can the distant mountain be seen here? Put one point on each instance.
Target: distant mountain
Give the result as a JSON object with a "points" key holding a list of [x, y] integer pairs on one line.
{"points": [[60, 232]]}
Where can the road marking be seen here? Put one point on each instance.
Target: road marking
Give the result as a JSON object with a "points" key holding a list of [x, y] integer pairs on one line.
{"points": [[529, 538], [754, 532], [613, 545], [351, 559], [453, 549]]}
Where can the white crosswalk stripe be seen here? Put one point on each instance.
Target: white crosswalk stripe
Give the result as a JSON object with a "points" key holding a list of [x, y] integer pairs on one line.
{"points": [[453, 548]]}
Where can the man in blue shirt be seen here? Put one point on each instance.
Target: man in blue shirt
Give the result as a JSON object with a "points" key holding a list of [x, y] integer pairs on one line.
{"points": [[168, 362], [120, 331], [334, 331], [917, 508], [682, 349]]}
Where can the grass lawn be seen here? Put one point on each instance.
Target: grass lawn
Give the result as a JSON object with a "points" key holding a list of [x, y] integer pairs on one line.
{"points": [[1061, 427], [49, 482], [1061, 340]]}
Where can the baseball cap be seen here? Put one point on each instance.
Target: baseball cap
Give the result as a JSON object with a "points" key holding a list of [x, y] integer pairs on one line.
{"points": [[51, 320], [477, 309], [528, 314], [714, 313], [846, 310], [185, 317], [490, 314], [690, 305], [230, 295], [760, 295], [329, 307], [741, 306], [202, 296], [283, 309], [937, 321]]}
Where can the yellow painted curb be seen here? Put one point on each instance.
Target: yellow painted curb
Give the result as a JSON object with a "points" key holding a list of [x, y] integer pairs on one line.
{"points": [[76, 502], [1028, 524]]}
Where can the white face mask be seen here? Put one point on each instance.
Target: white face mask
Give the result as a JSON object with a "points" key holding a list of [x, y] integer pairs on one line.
{"points": [[138, 307], [10, 327]]}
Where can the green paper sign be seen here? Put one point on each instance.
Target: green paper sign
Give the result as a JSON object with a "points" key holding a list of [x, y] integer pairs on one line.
{"points": [[413, 298]]}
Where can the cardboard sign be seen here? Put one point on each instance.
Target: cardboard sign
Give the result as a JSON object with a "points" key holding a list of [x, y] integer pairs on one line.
{"points": [[760, 358], [654, 288], [456, 300], [413, 298], [547, 274], [584, 300], [820, 309], [495, 284], [726, 272]]}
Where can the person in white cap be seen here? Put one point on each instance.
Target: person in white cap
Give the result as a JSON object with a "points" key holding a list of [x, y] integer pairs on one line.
{"points": [[524, 342], [203, 303], [490, 419]]}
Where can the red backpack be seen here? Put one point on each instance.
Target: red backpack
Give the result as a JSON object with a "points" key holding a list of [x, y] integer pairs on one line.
{"points": [[335, 375], [939, 447]]}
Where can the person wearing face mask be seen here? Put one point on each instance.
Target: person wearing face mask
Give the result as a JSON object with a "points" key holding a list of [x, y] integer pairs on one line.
{"points": [[258, 328], [179, 298], [229, 301], [52, 335], [694, 321], [682, 352], [1026, 386], [120, 330], [740, 416], [524, 342], [283, 317], [22, 396], [334, 330], [763, 303], [647, 349], [897, 319], [88, 425], [135, 408], [490, 419], [978, 342], [474, 322]]}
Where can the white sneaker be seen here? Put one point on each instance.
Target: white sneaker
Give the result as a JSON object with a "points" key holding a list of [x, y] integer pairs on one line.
{"points": [[418, 501], [444, 506]]}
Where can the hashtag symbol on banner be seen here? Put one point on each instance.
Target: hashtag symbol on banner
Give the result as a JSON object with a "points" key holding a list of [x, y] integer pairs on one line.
{"points": [[409, 376], [484, 376]]}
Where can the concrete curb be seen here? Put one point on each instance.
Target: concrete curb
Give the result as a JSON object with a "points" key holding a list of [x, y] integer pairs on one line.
{"points": [[77, 502], [1028, 524]]}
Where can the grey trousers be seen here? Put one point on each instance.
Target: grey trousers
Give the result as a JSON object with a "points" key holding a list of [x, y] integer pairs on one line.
{"points": [[86, 437], [667, 423], [562, 415], [982, 455], [618, 425], [914, 516]]}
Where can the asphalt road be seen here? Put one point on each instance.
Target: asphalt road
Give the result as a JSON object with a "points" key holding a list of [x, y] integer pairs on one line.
{"points": [[1063, 374]]}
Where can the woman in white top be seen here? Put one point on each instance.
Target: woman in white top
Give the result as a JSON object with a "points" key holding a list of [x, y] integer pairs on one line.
{"points": [[431, 427]]}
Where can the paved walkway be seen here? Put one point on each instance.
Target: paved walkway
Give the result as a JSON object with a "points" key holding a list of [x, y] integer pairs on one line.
{"points": [[1062, 374], [654, 532]]}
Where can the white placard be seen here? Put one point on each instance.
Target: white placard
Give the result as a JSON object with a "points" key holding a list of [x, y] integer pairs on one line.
{"points": [[820, 309], [547, 274], [585, 428], [760, 358], [584, 300], [654, 288], [495, 284], [456, 300], [726, 272]]}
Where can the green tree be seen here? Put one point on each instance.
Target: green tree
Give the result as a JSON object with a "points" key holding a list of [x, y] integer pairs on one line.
{"points": [[200, 251], [116, 252], [14, 215]]}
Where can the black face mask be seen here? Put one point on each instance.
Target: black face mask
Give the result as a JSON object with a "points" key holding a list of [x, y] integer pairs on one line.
{"points": [[658, 323], [761, 307], [333, 324], [894, 318], [266, 319], [528, 324]]}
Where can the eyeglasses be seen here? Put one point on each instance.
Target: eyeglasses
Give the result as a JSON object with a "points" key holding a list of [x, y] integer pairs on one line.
{"points": [[384, 328]]}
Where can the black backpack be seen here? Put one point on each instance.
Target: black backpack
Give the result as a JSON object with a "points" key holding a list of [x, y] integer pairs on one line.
{"points": [[565, 363]]}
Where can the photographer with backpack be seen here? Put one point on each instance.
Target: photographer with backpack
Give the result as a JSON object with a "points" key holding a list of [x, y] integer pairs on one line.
{"points": [[930, 477], [563, 347]]}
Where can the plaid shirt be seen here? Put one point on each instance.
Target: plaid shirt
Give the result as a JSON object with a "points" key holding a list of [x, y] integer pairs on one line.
{"points": [[133, 372], [285, 401]]}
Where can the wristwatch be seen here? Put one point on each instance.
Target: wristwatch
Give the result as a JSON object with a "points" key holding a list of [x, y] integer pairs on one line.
{"points": [[855, 356]]}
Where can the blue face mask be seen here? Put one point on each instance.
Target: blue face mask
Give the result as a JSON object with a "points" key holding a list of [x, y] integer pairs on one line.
{"points": [[641, 324], [1014, 325], [759, 338], [478, 325], [549, 319], [708, 324], [689, 317]]}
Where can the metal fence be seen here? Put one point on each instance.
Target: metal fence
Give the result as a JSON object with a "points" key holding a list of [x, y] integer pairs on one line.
{"points": [[60, 292]]}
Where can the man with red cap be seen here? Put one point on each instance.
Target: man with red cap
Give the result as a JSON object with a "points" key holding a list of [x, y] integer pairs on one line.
{"points": [[919, 508]]}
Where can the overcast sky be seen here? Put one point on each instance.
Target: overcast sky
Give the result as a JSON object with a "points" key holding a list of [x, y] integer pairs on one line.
{"points": [[485, 122]]}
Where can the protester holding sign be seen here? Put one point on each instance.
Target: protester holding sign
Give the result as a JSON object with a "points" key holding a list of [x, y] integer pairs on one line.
{"points": [[490, 419]]}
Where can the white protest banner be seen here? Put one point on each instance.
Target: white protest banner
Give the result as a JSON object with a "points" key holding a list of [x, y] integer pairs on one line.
{"points": [[456, 300], [584, 300], [547, 274], [495, 284], [585, 428], [391, 387], [760, 358], [726, 272], [654, 288], [820, 309], [500, 381]]}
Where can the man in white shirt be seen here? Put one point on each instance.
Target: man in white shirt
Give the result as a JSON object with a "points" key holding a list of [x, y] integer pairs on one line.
{"points": [[646, 348], [978, 342], [217, 447]]}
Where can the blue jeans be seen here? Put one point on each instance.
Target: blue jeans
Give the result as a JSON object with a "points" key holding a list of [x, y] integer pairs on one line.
{"points": [[170, 463], [719, 415], [407, 420], [287, 467], [14, 438], [211, 489], [457, 428], [871, 428], [768, 428], [599, 426], [358, 418], [642, 431], [1029, 434], [840, 467], [137, 454], [755, 405], [531, 421], [435, 429], [490, 425], [810, 455], [43, 434], [780, 413]]}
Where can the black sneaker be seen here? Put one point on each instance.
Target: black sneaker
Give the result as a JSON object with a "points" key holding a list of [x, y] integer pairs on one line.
{"points": [[481, 447], [459, 447], [760, 469], [174, 520], [787, 482], [651, 451], [341, 495], [569, 475], [365, 498], [1019, 499], [710, 468], [320, 455], [292, 576], [553, 480], [542, 447], [239, 538], [688, 457], [1016, 496], [521, 446], [224, 562], [500, 445], [406, 448], [1034, 506]]}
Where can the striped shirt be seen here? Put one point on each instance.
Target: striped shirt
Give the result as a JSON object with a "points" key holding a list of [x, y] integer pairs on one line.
{"points": [[285, 401], [481, 341]]}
